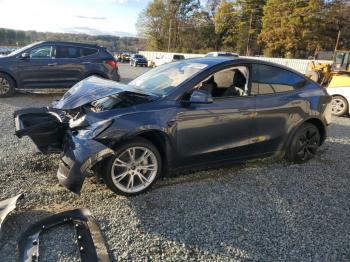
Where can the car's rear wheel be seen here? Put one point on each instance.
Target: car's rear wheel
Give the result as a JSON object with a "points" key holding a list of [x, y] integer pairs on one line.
{"points": [[7, 86], [134, 168], [339, 106], [304, 144]]}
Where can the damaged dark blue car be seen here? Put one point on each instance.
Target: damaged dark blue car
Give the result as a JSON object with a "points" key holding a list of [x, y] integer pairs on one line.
{"points": [[196, 113]]}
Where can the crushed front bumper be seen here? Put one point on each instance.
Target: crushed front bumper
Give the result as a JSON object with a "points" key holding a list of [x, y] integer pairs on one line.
{"points": [[78, 156]]}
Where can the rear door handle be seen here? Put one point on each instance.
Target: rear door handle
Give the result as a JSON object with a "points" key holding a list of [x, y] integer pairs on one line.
{"points": [[53, 64]]}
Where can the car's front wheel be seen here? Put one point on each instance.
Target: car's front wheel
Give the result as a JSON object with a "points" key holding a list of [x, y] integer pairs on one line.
{"points": [[304, 144], [339, 106], [134, 168], [7, 86]]}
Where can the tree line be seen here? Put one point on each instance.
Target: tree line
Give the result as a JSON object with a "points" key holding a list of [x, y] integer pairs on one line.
{"points": [[293, 28], [18, 38]]}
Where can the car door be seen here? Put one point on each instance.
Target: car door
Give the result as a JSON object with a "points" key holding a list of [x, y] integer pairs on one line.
{"points": [[39, 69], [70, 65], [279, 105], [217, 131]]}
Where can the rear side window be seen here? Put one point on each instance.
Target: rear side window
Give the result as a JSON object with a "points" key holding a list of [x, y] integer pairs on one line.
{"points": [[270, 80], [88, 51], [74, 51], [67, 52]]}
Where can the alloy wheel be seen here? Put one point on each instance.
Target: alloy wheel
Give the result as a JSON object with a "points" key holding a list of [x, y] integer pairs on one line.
{"points": [[4, 86], [308, 143], [134, 169], [338, 106]]}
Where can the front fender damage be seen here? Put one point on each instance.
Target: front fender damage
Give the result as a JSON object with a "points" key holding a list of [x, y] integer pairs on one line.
{"points": [[78, 157]]}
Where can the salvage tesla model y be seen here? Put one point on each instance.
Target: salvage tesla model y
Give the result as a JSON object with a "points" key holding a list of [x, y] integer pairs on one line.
{"points": [[189, 114]]}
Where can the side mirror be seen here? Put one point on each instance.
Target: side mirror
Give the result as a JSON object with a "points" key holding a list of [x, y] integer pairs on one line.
{"points": [[201, 97], [25, 56]]}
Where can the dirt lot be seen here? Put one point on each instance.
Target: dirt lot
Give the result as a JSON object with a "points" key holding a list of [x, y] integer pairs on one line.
{"points": [[264, 210]]}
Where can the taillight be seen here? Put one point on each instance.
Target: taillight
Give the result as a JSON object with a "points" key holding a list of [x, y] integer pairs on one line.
{"points": [[112, 63]]}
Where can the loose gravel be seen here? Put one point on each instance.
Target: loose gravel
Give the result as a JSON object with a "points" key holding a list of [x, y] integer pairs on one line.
{"points": [[264, 210]]}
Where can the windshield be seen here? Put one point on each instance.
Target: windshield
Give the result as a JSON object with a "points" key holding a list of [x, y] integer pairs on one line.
{"points": [[162, 80], [22, 49], [138, 56]]}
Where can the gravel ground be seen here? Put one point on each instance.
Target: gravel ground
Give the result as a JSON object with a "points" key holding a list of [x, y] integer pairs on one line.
{"points": [[265, 210]]}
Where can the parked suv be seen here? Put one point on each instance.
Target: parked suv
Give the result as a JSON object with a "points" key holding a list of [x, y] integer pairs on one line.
{"points": [[54, 65], [138, 60]]}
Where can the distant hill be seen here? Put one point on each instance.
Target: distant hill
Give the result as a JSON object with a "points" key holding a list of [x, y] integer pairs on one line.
{"points": [[10, 37]]}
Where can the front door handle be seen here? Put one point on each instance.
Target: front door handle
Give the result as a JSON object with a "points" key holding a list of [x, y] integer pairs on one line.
{"points": [[53, 64]]}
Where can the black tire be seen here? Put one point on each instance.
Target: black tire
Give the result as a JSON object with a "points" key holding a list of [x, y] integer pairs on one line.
{"points": [[135, 64], [304, 144], [340, 106], [108, 170], [7, 85]]}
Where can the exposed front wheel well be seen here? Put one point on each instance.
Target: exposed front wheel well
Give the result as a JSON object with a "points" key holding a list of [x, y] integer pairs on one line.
{"points": [[8, 85], [9, 75], [153, 136], [159, 141]]}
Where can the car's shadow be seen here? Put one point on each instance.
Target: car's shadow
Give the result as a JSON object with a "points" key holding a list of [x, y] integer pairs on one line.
{"points": [[258, 211]]}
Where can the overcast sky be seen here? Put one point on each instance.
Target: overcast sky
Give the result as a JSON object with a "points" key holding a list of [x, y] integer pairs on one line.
{"points": [[96, 17]]}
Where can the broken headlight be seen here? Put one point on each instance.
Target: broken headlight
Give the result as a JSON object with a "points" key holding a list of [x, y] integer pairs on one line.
{"points": [[92, 131], [80, 122]]}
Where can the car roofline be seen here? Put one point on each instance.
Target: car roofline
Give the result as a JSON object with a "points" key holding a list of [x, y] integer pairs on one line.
{"points": [[214, 61], [70, 43]]}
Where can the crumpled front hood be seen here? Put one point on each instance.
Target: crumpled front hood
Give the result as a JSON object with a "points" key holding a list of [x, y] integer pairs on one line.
{"points": [[91, 89]]}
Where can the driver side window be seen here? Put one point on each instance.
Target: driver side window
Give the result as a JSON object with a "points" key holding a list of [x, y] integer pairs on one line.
{"points": [[41, 52], [229, 82]]}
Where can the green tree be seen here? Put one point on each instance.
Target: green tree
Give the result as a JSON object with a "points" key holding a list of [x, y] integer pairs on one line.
{"points": [[290, 27], [226, 20], [239, 24], [151, 25], [336, 20], [249, 26]]}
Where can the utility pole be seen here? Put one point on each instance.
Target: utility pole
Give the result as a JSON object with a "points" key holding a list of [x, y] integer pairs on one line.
{"points": [[337, 44], [249, 36]]}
